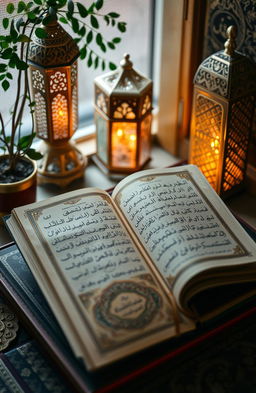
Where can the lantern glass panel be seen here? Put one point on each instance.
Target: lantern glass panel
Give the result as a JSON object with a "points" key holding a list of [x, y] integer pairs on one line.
{"points": [[145, 142], [206, 150], [102, 138], [237, 142], [124, 144]]}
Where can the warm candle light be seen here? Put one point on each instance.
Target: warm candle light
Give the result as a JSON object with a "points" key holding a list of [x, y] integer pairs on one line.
{"points": [[222, 116], [123, 105], [124, 145]]}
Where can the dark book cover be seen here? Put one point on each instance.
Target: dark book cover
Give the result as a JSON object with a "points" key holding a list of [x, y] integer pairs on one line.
{"points": [[26, 369]]}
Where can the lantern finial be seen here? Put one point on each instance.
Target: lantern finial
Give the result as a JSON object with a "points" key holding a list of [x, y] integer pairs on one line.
{"points": [[230, 44], [126, 62]]}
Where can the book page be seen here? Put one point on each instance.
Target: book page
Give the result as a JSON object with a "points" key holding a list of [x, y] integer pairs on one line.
{"points": [[182, 223], [96, 280]]}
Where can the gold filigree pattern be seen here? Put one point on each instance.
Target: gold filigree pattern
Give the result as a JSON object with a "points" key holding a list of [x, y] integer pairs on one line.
{"points": [[183, 175], [74, 108], [36, 214], [74, 74], [101, 102], [8, 326], [41, 116], [170, 280], [208, 124], [105, 198], [72, 201], [60, 117], [238, 250], [38, 80], [124, 111], [147, 179], [86, 299], [58, 82], [146, 104], [237, 142]]}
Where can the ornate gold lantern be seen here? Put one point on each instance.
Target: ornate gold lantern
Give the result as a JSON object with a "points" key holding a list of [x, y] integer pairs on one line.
{"points": [[123, 106], [53, 73], [222, 114]]}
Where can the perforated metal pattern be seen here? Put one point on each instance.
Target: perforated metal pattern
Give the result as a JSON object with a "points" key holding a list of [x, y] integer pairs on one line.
{"points": [[237, 143], [206, 138]]}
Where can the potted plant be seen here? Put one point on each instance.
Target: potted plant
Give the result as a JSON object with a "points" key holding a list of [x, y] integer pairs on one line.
{"points": [[22, 20]]}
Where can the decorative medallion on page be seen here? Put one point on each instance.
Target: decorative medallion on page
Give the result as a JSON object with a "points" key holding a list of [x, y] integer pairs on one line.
{"points": [[8, 326], [127, 305]]}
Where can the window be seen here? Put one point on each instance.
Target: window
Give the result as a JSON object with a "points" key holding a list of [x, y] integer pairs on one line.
{"points": [[136, 41]]}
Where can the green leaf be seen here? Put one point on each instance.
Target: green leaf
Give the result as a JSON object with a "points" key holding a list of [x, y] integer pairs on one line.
{"points": [[121, 26], [96, 62], [24, 38], [91, 8], [89, 62], [10, 8], [106, 18], [113, 15], [75, 25], [38, 2], [2, 77], [4, 45], [5, 23], [99, 39], [94, 22], [5, 85], [89, 37], [33, 154], [40, 33], [7, 53], [3, 67], [82, 31], [116, 40], [25, 141], [111, 46], [63, 20], [31, 15], [13, 32], [103, 47], [82, 10], [21, 65], [21, 6], [83, 53], [103, 65], [9, 75], [70, 7], [99, 5], [112, 66]]}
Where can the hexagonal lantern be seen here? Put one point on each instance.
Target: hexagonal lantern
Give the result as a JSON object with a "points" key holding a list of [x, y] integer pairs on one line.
{"points": [[123, 106], [53, 74], [222, 116]]}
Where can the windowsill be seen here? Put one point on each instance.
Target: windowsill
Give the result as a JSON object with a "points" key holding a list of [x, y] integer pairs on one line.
{"points": [[243, 204]]}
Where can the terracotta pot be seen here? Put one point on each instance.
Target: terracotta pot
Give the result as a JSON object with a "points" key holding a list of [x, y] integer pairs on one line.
{"points": [[18, 193]]}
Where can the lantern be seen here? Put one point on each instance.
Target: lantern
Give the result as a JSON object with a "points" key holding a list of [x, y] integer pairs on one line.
{"points": [[222, 115], [123, 106], [53, 81]]}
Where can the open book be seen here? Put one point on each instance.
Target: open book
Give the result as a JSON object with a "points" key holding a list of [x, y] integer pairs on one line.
{"points": [[121, 273]]}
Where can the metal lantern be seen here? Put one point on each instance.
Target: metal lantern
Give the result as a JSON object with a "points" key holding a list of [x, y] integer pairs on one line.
{"points": [[123, 106], [222, 114], [53, 74]]}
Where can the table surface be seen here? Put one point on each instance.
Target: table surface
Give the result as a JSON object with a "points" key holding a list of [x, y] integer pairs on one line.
{"points": [[242, 204]]}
